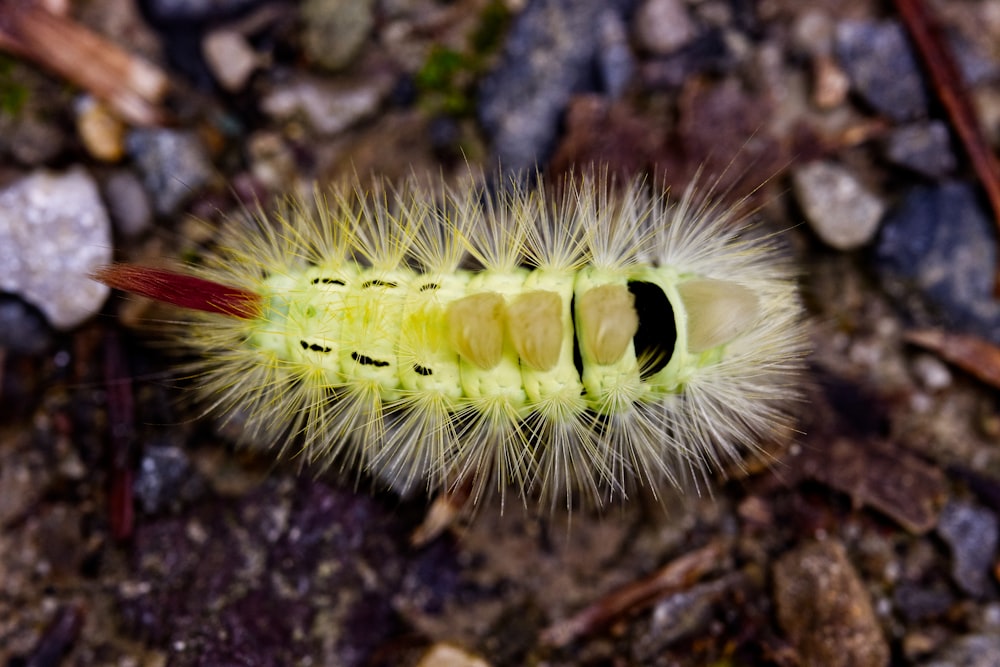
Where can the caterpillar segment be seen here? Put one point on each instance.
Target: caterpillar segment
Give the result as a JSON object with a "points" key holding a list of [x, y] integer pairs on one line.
{"points": [[566, 348]]}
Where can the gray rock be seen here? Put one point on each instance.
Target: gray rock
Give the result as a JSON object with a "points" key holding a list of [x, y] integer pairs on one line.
{"points": [[549, 55], [53, 232], [971, 533], [936, 255], [922, 147], [878, 59], [839, 208], [174, 165]]}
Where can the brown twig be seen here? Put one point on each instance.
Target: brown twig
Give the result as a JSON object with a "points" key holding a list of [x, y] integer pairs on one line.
{"points": [[132, 86], [675, 575], [940, 64], [121, 422]]}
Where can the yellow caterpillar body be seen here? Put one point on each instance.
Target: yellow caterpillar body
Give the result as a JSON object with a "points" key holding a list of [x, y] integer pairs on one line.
{"points": [[579, 345]]}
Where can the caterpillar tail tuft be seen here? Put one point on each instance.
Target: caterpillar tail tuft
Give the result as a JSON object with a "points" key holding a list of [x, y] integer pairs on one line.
{"points": [[571, 344]]}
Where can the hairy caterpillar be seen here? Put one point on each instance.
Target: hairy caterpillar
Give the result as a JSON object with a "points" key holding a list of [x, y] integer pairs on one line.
{"points": [[572, 346]]}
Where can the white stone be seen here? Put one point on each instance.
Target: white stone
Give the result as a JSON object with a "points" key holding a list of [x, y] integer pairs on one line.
{"points": [[663, 26], [54, 231], [842, 212]]}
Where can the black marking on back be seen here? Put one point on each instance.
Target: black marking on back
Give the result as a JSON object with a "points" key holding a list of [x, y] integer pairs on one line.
{"points": [[368, 361], [657, 335], [426, 287], [315, 347], [577, 355], [377, 283], [328, 281], [422, 370]]}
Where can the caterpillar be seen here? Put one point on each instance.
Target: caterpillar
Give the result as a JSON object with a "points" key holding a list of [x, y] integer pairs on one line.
{"points": [[572, 343]]}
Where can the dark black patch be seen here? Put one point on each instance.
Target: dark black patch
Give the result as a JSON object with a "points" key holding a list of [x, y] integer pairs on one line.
{"points": [[577, 355], [327, 281], [368, 361], [426, 287], [657, 335], [315, 347], [377, 283], [422, 370]]}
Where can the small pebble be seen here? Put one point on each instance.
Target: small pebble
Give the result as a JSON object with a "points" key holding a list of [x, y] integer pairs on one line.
{"points": [[334, 31], [174, 165], [830, 83], [842, 212], [922, 147], [272, 160], [447, 655], [878, 59], [812, 32], [663, 26], [230, 57], [53, 232], [931, 372], [686, 613], [329, 107], [102, 133], [166, 478], [128, 203], [971, 533]]}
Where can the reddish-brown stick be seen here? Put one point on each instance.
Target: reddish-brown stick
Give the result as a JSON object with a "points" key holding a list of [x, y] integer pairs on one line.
{"points": [[940, 64]]}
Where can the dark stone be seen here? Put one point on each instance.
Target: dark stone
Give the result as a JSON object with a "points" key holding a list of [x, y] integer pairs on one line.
{"points": [[551, 53], [971, 533], [23, 330], [922, 147], [174, 165], [936, 256], [166, 478], [880, 64]]}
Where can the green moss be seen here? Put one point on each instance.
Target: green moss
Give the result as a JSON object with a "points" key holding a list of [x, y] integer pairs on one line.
{"points": [[492, 28], [13, 93], [447, 79]]}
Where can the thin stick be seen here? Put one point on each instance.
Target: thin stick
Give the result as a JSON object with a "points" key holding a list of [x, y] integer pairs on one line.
{"points": [[948, 84], [133, 86]]}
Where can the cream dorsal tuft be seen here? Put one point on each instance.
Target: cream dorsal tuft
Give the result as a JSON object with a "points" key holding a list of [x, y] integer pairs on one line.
{"points": [[718, 312]]}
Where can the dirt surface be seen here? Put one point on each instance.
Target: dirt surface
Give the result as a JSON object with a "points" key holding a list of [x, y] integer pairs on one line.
{"points": [[133, 531]]}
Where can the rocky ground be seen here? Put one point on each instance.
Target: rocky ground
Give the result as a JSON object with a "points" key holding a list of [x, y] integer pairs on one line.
{"points": [[134, 532]]}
